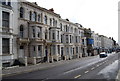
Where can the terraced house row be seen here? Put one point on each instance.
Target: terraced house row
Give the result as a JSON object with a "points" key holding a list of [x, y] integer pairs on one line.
{"points": [[30, 34]]}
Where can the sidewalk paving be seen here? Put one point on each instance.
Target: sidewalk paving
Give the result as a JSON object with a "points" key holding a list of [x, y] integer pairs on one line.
{"points": [[29, 68], [25, 69]]}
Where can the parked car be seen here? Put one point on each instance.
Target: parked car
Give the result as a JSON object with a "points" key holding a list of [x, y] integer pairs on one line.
{"points": [[103, 54], [118, 50]]}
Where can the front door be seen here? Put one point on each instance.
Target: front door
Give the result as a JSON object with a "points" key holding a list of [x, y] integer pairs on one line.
{"points": [[62, 57], [21, 52], [46, 54]]}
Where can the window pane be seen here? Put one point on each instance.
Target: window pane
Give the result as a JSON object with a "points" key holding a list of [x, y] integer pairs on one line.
{"points": [[50, 21], [5, 45], [61, 39], [45, 19], [58, 35], [21, 28], [61, 26], [5, 19], [53, 35], [38, 17], [21, 47], [33, 48], [3, 3], [33, 32], [21, 12], [53, 22], [30, 15], [9, 3], [39, 50], [21, 31], [34, 16]]}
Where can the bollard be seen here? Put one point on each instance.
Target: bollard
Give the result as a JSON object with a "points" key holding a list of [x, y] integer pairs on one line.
{"points": [[26, 64], [34, 60], [48, 59]]}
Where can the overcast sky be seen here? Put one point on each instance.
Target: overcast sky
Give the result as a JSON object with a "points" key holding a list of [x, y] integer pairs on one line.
{"points": [[99, 15]]}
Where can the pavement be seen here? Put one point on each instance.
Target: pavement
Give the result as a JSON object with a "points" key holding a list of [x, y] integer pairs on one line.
{"points": [[25, 69]]}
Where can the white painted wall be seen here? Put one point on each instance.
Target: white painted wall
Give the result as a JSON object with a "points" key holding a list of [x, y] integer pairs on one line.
{"points": [[13, 26], [119, 22]]}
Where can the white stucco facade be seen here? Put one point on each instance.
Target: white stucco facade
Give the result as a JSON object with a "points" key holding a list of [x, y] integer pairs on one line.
{"points": [[97, 40], [119, 23], [8, 33], [47, 40], [106, 43]]}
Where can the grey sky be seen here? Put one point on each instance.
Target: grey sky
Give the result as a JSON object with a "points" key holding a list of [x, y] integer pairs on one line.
{"points": [[99, 15]]}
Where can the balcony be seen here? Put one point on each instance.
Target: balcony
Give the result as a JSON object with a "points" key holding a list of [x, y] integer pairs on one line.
{"points": [[38, 40], [56, 41], [6, 30], [6, 6], [23, 40], [47, 42]]}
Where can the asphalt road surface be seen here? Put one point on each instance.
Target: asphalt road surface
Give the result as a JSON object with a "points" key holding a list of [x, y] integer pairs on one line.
{"points": [[88, 68]]}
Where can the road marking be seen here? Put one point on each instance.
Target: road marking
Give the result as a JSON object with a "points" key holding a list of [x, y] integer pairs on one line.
{"points": [[92, 68], [98, 65], [72, 70], [86, 71], [77, 76]]}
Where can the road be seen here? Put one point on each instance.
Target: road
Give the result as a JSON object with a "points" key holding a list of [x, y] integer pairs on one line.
{"points": [[87, 68]]}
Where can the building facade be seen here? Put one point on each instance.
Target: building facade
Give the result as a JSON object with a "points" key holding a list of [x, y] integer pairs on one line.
{"points": [[90, 41], [45, 37], [106, 43], [97, 43], [8, 33], [119, 23]]}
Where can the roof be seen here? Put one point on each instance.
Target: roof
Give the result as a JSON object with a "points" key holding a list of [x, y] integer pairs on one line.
{"points": [[41, 8]]}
